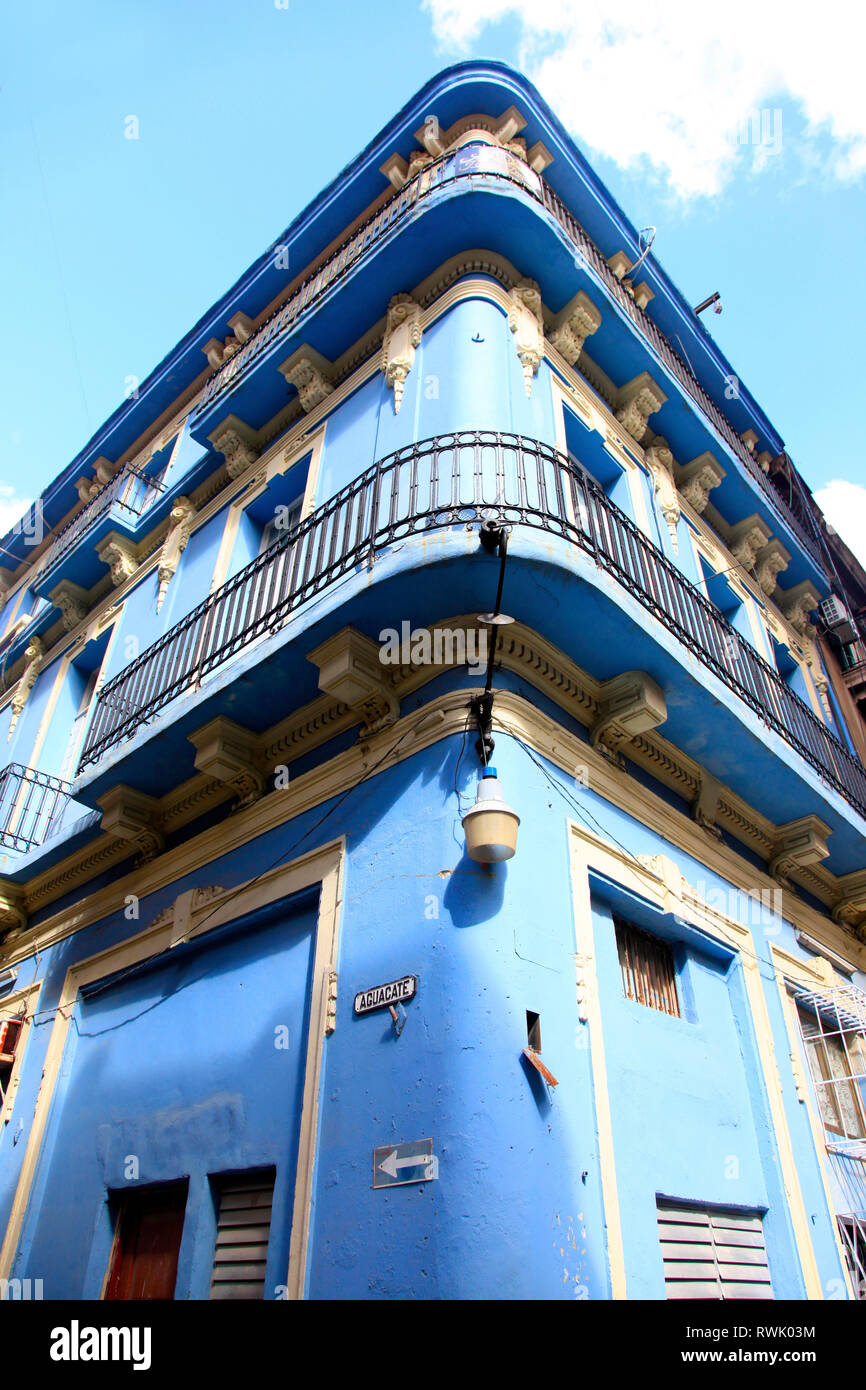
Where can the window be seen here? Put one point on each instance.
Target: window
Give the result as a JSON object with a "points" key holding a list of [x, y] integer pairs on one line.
{"points": [[586, 449], [648, 970], [712, 1252], [836, 1049], [73, 743], [10, 1037], [147, 1235], [243, 1231], [852, 1229], [284, 519]]}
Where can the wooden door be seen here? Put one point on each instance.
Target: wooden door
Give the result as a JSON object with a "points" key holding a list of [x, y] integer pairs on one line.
{"points": [[147, 1243]]}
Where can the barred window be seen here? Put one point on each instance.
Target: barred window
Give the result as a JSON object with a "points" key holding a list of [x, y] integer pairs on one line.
{"points": [[836, 1048], [648, 971]]}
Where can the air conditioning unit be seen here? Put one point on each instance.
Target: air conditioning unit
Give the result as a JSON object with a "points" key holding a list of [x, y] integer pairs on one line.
{"points": [[836, 617]]}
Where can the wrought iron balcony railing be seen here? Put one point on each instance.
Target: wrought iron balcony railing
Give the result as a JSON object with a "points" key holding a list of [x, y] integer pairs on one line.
{"points": [[485, 166], [31, 804], [438, 483], [128, 488]]}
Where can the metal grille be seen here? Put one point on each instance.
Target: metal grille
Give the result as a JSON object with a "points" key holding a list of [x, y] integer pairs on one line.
{"points": [[481, 166], [243, 1231], [454, 480], [647, 964], [712, 1252], [853, 1232], [31, 804], [833, 1023]]}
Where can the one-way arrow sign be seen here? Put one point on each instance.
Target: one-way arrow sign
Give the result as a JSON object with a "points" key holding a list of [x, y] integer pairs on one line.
{"points": [[395, 1164]]}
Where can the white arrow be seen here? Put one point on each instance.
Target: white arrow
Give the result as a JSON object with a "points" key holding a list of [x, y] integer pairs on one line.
{"points": [[391, 1163]]}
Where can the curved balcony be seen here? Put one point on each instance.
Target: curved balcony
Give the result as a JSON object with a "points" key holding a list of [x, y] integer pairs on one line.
{"points": [[448, 482], [485, 166], [122, 500]]}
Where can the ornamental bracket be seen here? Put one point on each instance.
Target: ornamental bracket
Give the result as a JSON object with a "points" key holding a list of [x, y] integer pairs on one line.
{"points": [[350, 671], [629, 704], [226, 751]]}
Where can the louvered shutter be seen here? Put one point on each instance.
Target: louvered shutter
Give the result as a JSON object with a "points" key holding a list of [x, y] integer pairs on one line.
{"points": [[709, 1252], [243, 1229]]}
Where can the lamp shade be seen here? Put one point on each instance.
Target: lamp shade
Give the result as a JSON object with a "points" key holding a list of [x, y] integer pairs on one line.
{"points": [[490, 826]]}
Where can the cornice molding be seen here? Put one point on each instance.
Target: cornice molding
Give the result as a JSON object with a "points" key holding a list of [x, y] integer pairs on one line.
{"points": [[139, 827]]}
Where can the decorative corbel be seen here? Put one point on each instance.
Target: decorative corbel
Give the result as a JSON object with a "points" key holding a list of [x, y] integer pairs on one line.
{"points": [[104, 470], [226, 752], [119, 553], [217, 350], [350, 671], [238, 444], [213, 351], [87, 489], [747, 538], [13, 914], [642, 294], [527, 324], [33, 655], [822, 684], [311, 374], [750, 439], [697, 479], [629, 704], [636, 402], [573, 325], [131, 815], [849, 910], [538, 157], [797, 603], [770, 561], [396, 170], [402, 337], [72, 601], [430, 136], [705, 806], [510, 124], [179, 530], [800, 844], [619, 264], [660, 462], [242, 326]]}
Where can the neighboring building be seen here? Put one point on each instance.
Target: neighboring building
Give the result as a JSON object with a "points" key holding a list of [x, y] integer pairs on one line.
{"points": [[244, 667]]}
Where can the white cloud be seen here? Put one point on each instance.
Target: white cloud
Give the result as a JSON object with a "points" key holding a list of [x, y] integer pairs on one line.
{"points": [[844, 506], [671, 83]]}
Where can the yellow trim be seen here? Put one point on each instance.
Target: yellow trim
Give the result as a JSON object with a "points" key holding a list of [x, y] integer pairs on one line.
{"points": [[195, 914], [580, 865], [438, 719]]}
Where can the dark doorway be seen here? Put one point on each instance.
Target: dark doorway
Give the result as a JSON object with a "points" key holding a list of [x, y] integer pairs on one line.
{"points": [[147, 1243]]}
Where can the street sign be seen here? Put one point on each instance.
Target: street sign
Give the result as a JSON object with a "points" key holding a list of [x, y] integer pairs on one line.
{"points": [[395, 1164], [384, 996]]}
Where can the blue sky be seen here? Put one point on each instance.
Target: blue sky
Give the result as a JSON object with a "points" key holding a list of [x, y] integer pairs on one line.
{"points": [[113, 247]]}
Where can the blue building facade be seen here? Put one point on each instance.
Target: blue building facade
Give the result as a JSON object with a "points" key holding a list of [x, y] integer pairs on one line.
{"points": [[250, 682]]}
